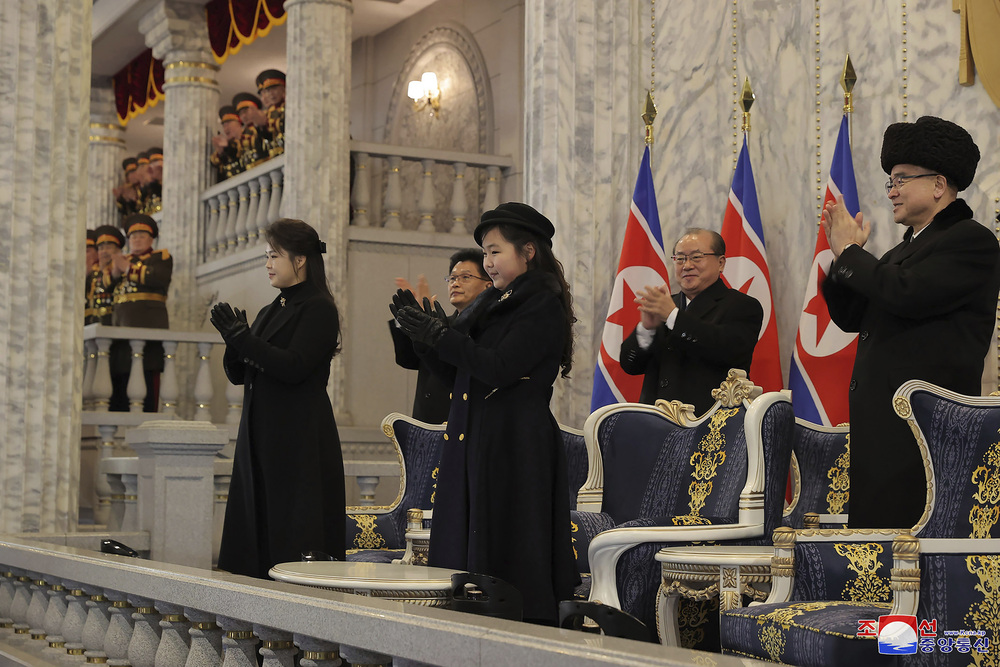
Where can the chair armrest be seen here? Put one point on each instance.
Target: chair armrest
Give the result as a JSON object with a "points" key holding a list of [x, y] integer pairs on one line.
{"points": [[607, 547]]}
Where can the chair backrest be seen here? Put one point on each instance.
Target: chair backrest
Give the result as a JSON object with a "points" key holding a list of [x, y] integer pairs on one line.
{"points": [[959, 442], [576, 460], [770, 426], [820, 471], [654, 461], [418, 446]]}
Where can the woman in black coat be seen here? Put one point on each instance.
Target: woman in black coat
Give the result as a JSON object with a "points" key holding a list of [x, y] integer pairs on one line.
{"points": [[287, 490], [501, 506]]}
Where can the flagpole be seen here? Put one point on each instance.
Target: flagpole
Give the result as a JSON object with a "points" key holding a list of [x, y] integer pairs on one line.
{"points": [[847, 80]]}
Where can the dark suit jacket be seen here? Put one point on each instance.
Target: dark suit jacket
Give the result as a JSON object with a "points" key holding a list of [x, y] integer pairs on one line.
{"points": [[926, 311], [716, 331], [432, 398]]}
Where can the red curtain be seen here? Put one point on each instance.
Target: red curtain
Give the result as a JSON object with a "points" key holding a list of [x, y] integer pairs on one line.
{"points": [[233, 23], [138, 86]]}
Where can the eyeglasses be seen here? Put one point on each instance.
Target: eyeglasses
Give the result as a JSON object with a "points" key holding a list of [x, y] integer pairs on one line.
{"points": [[461, 278], [901, 180], [695, 258]]}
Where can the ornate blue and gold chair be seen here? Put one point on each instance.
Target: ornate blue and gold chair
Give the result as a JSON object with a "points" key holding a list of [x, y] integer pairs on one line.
{"points": [[377, 534], [945, 571], [820, 473], [661, 477]]}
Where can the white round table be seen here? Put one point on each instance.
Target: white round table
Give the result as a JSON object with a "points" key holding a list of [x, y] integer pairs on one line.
{"points": [[417, 584]]}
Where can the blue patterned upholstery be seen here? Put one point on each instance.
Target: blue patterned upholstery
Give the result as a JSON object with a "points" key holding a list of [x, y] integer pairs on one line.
{"points": [[948, 571], [378, 534], [576, 460], [666, 484], [822, 483]]}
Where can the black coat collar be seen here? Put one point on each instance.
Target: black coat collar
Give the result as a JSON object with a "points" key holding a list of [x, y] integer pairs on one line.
{"points": [[706, 300]]}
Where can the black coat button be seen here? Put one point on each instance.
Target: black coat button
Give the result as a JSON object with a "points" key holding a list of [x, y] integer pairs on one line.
{"points": [[664, 383], [864, 335], [854, 384]]}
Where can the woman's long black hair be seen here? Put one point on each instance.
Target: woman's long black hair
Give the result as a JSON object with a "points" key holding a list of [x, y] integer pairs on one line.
{"points": [[298, 239], [544, 260]]}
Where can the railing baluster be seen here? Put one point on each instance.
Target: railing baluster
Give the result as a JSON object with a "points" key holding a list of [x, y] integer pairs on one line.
{"points": [[130, 518], [274, 206], [264, 204], [145, 633], [105, 450], [425, 206], [203, 384], [38, 606], [89, 369], [75, 619], [136, 389], [492, 197], [234, 215], [251, 223], [276, 647], [96, 627], [234, 402], [361, 193], [206, 639], [120, 629], [54, 617], [238, 643], [459, 202], [211, 246], [393, 194], [221, 223], [168, 379], [19, 607], [241, 216], [102, 375], [6, 599], [316, 652], [174, 637]]}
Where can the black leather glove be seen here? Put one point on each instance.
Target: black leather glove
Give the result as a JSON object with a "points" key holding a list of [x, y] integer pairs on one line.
{"points": [[401, 299], [231, 324], [419, 326]]}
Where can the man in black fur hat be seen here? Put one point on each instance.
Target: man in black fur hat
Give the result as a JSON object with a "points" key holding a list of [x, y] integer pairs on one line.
{"points": [[925, 310]]}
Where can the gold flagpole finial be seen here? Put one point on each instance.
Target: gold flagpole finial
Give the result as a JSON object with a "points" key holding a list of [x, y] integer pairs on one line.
{"points": [[648, 116], [746, 101], [847, 81]]}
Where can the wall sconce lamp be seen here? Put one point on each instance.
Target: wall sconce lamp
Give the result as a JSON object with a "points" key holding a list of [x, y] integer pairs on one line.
{"points": [[425, 93]]}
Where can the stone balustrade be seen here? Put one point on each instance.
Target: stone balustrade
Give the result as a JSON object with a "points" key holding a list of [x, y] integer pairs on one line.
{"points": [[239, 208], [64, 605], [97, 339], [423, 193]]}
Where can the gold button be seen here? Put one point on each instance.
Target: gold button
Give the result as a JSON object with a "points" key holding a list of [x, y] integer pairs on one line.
{"points": [[450, 395], [461, 436], [465, 397], [445, 436]]}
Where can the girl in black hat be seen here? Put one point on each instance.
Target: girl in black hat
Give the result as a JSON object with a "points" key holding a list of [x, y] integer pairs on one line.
{"points": [[501, 506], [287, 493]]}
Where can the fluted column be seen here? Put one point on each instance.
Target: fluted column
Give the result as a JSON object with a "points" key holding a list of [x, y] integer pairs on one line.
{"points": [[104, 155], [579, 146], [178, 34], [45, 49], [317, 139]]}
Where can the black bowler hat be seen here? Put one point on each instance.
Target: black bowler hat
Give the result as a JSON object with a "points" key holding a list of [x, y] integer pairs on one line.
{"points": [[138, 222], [935, 144], [243, 100], [270, 77], [108, 234], [518, 215], [228, 113], [129, 164]]}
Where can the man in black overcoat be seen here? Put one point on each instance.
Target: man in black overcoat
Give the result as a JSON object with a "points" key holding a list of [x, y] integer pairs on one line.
{"points": [[685, 343], [466, 280], [925, 310]]}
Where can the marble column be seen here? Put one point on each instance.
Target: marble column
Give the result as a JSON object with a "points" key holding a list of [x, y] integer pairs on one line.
{"points": [[178, 34], [105, 154], [583, 142], [317, 140], [45, 48]]}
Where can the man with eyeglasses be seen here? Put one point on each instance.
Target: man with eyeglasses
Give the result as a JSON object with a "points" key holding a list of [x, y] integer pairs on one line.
{"points": [[465, 281], [925, 310], [685, 343]]}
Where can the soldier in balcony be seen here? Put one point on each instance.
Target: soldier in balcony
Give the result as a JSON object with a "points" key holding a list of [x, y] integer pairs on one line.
{"points": [[153, 188], [107, 240], [255, 142], [140, 294], [127, 194], [271, 88], [225, 155]]}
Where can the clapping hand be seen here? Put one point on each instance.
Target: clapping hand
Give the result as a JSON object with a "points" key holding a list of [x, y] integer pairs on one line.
{"points": [[232, 324], [423, 325]]}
